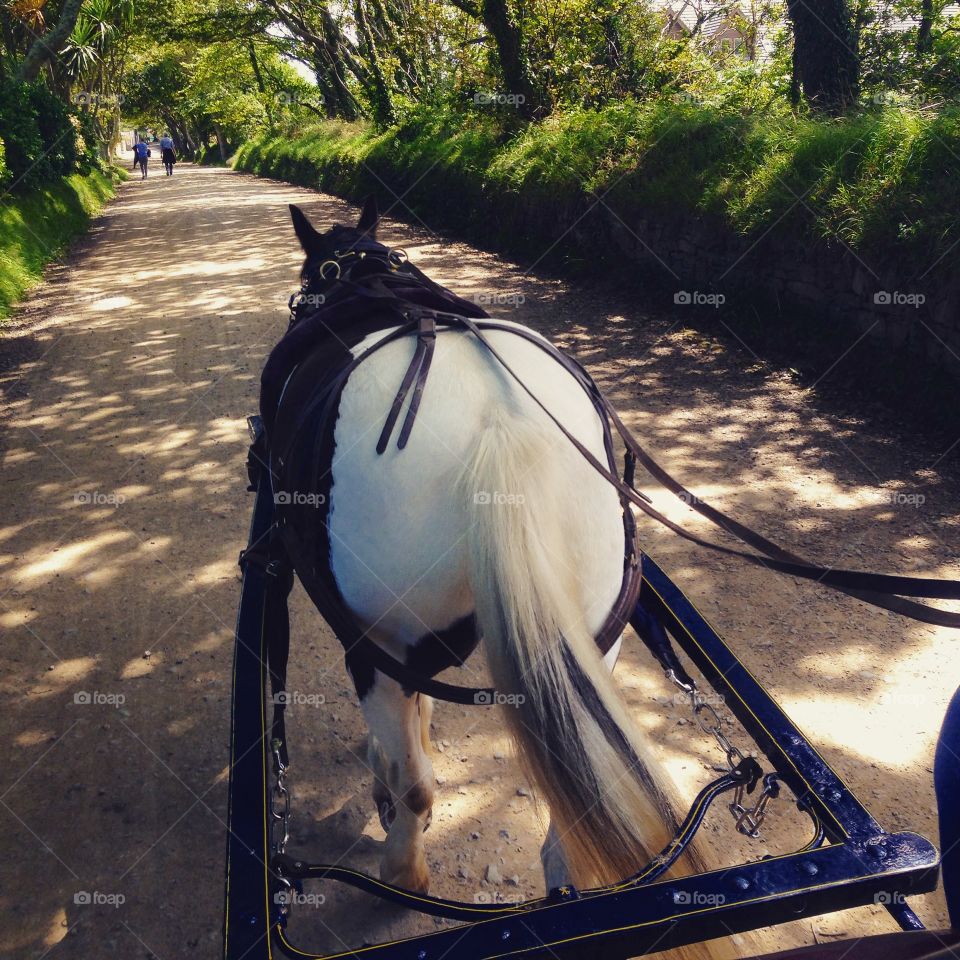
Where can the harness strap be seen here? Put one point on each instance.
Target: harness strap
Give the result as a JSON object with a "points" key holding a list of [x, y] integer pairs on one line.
{"points": [[874, 588], [418, 370]]}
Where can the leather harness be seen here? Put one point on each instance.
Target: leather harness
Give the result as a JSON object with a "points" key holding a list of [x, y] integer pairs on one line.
{"points": [[370, 288]]}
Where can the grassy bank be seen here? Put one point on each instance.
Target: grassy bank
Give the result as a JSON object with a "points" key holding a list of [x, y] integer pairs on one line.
{"points": [[879, 182], [37, 226]]}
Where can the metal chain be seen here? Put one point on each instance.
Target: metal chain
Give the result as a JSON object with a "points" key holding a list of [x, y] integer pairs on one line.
{"points": [[280, 821], [748, 819]]}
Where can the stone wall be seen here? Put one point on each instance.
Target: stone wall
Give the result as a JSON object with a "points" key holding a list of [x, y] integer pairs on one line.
{"points": [[903, 310]]}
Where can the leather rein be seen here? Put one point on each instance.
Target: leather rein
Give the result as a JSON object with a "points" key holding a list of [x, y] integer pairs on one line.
{"points": [[367, 272]]}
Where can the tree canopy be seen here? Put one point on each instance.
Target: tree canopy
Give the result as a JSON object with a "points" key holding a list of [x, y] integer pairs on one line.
{"points": [[217, 72]]}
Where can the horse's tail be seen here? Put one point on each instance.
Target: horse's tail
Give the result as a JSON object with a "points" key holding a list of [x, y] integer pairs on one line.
{"points": [[574, 736]]}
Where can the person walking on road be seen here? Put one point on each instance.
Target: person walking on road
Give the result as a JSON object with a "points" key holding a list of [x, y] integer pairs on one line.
{"points": [[168, 153], [141, 153]]}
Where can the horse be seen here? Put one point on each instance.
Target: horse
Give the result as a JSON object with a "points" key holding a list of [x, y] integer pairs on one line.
{"points": [[488, 525]]}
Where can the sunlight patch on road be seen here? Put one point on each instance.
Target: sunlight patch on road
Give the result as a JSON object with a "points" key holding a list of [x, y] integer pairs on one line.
{"points": [[203, 268], [65, 558], [882, 737], [112, 303]]}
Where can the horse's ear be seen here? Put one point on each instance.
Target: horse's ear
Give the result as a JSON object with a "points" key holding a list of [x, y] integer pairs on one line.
{"points": [[370, 217], [309, 238]]}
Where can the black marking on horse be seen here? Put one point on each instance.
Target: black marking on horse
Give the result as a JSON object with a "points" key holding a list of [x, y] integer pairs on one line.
{"points": [[361, 672], [440, 649]]}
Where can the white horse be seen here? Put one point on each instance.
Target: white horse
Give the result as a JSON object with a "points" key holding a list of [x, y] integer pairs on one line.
{"points": [[489, 524]]}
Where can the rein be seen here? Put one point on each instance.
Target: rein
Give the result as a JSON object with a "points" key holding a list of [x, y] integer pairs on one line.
{"points": [[370, 275]]}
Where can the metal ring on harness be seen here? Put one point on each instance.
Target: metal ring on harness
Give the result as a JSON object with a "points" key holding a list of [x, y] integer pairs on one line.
{"points": [[397, 257], [335, 276]]}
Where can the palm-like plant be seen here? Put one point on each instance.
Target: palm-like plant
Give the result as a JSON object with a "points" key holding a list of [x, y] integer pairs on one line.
{"points": [[99, 24]]}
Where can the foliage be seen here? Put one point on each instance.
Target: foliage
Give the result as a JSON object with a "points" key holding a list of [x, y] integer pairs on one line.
{"points": [[879, 182], [37, 129], [37, 225]]}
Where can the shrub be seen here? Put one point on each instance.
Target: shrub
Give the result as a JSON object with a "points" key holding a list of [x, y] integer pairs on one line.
{"points": [[36, 128]]}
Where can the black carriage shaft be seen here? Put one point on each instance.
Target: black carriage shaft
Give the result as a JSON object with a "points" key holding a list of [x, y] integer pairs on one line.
{"points": [[861, 865]]}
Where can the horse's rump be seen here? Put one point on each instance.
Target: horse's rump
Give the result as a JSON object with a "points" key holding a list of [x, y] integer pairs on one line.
{"points": [[324, 434]]}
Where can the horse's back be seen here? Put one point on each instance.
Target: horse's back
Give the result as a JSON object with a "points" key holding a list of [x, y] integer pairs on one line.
{"points": [[398, 521]]}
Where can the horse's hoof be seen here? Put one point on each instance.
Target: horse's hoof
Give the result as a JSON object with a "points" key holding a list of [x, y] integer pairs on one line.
{"points": [[388, 813], [414, 877]]}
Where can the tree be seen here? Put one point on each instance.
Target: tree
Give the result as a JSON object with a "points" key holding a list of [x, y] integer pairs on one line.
{"points": [[50, 43], [826, 63], [498, 20]]}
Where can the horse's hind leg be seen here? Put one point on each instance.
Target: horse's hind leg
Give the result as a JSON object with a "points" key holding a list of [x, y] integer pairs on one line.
{"points": [[403, 767], [556, 872], [382, 797]]}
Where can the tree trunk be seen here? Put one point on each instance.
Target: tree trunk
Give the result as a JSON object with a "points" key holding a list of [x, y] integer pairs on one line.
{"points": [[221, 142], [380, 93], [825, 55], [513, 64], [51, 43], [261, 86], [925, 33]]}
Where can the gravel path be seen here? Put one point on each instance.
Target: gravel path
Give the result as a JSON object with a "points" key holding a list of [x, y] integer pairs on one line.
{"points": [[126, 379]]}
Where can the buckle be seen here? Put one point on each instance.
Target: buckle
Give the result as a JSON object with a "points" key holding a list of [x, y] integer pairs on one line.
{"points": [[258, 558]]}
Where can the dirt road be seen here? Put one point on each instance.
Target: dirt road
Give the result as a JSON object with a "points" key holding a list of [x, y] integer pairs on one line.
{"points": [[127, 378]]}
